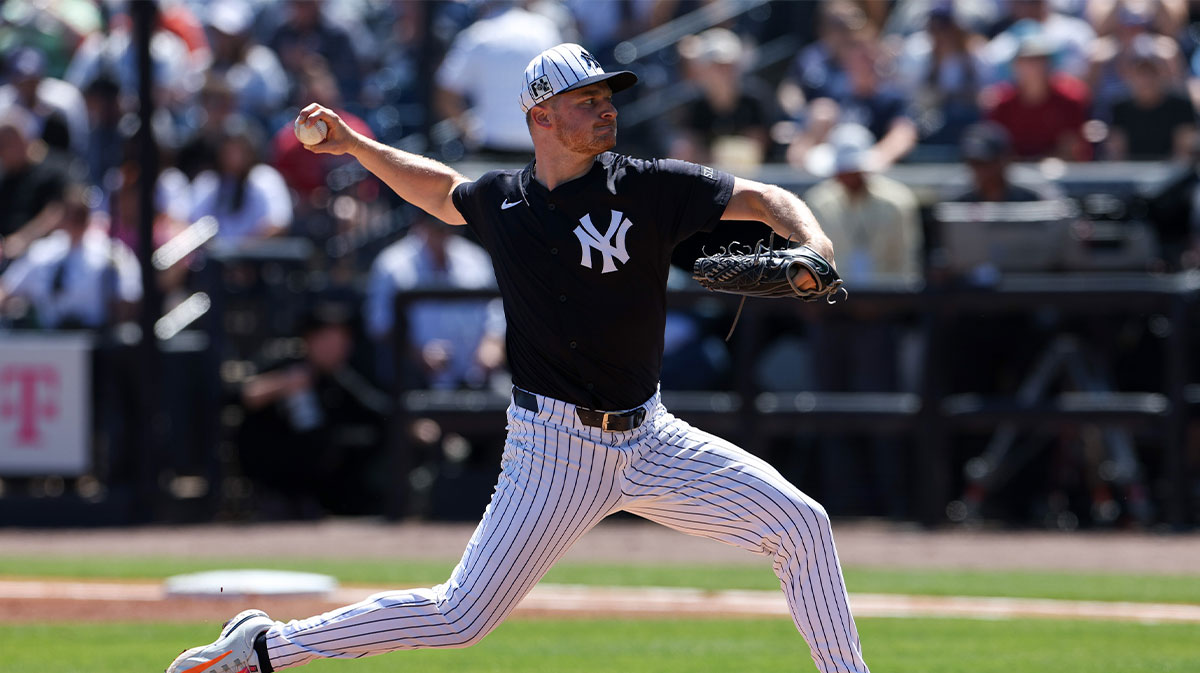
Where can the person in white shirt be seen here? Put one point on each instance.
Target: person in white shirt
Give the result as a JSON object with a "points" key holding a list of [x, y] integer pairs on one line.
{"points": [[51, 101], [249, 198], [456, 343], [474, 82], [75, 277]]}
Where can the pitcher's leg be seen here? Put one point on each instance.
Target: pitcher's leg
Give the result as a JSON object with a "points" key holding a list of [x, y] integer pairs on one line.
{"points": [[549, 494], [702, 485]]}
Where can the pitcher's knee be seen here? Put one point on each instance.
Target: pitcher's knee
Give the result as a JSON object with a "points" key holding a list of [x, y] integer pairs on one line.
{"points": [[803, 522], [469, 622]]}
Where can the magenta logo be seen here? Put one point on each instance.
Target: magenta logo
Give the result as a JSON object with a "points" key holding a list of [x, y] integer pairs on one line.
{"points": [[29, 395]]}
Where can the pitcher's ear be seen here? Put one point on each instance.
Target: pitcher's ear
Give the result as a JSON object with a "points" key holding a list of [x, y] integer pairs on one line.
{"points": [[539, 115]]}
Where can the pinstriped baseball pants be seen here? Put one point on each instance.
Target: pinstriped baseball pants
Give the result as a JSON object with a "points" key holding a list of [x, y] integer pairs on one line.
{"points": [[558, 479]]}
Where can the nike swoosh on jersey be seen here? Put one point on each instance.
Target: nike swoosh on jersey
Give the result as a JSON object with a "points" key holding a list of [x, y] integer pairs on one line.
{"points": [[506, 205]]}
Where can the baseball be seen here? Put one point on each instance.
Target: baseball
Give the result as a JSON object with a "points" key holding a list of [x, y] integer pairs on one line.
{"points": [[310, 135]]}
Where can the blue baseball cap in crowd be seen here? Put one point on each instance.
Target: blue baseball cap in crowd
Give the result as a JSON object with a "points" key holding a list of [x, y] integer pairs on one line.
{"points": [[565, 68], [985, 141]]}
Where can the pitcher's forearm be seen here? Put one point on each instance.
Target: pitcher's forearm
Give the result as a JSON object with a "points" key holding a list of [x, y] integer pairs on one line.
{"points": [[785, 213], [421, 181]]}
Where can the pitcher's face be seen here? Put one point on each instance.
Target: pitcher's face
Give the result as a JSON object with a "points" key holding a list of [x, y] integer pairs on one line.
{"points": [[585, 120]]}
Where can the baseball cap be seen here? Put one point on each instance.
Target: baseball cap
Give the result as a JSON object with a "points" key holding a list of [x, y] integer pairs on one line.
{"points": [[985, 141], [565, 68], [715, 45], [1035, 43], [231, 17], [847, 150]]}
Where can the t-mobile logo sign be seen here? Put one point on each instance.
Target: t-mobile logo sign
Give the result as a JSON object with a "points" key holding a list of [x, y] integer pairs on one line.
{"points": [[29, 394]]}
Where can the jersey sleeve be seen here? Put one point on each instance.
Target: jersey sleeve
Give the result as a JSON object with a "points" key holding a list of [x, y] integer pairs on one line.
{"points": [[691, 197], [469, 198], [466, 200]]}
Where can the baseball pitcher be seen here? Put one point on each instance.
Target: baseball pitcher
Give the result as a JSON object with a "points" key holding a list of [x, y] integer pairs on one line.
{"points": [[581, 241]]}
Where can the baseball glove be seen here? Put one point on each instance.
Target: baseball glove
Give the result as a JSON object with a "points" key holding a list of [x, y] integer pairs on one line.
{"points": [[763, 272]]}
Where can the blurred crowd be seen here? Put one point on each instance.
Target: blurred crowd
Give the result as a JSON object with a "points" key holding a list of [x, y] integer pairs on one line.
{"points": [[783, 82], [841, 90]]}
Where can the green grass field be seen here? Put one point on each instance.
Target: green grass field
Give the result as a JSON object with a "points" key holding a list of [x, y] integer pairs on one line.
{"points": [[664, 646], [661, 645]]}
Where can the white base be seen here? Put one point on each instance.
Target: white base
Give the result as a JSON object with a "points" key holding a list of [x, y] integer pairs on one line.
{"points": [[243, 583]]}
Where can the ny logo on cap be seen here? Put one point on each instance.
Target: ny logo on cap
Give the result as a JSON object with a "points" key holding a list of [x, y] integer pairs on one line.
{"points": [[540, 89], [587, 58]]}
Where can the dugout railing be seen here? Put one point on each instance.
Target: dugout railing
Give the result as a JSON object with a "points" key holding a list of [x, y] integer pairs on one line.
{"points": [[1075, 307]]}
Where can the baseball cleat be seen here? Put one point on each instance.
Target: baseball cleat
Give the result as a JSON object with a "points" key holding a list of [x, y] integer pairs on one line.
{"points": [[232, 652]]}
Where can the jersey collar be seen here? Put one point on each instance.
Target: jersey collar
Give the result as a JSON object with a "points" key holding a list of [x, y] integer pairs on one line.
{"points": [[529, 185]]}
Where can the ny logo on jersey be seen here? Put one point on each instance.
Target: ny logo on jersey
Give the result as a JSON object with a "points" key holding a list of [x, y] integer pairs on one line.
{"points": [[610, 244]]}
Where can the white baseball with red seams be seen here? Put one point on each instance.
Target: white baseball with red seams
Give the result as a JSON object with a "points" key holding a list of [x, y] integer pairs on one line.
{"points": [[310, 135]]}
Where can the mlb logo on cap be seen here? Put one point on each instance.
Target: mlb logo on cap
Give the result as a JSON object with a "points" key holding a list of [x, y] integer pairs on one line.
{"points": [[564, 68], [540, 89]]}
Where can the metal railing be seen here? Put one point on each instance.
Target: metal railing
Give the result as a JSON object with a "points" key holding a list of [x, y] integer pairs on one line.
{"points": [[931, 415]]}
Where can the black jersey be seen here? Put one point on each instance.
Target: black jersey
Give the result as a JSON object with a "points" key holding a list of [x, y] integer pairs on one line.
{"points": [[582, 269]]}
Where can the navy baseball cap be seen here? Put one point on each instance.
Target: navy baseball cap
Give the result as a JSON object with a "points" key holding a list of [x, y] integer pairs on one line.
{"points": [[565, 68], [985, 141]]}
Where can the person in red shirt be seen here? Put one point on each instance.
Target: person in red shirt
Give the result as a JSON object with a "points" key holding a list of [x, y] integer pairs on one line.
{"points": [[1044, 112], [305, 172]]}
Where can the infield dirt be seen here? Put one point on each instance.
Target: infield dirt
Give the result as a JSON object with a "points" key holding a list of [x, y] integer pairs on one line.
{"points": [[859, 544]]}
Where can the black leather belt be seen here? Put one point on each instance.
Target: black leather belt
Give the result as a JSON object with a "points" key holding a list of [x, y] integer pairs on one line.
{"points": [[609, 421]]}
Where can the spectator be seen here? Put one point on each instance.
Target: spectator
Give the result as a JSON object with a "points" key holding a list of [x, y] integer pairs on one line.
{"points": [[1044, 112], [1112, 56], [1069, 38], [730, 122], [397, 107], [816, 72], [872, 219], [177, 73], [124, 210], [54, 28], [304, 172], [1166, 17], [57, 106], [313, 429], [252, 71], [1155, 121], [872, 102], [76, 277], [177, 17], [104, 138], [874, 225], [453, 344], [307, 31], [32, 184], [473, 82], [941, 68], [987, 150], [215, 105], [249, 198], [604, 25]]}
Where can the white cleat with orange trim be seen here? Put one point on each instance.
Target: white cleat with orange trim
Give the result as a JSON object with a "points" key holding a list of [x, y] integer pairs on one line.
{"points": [[232, 652]]}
